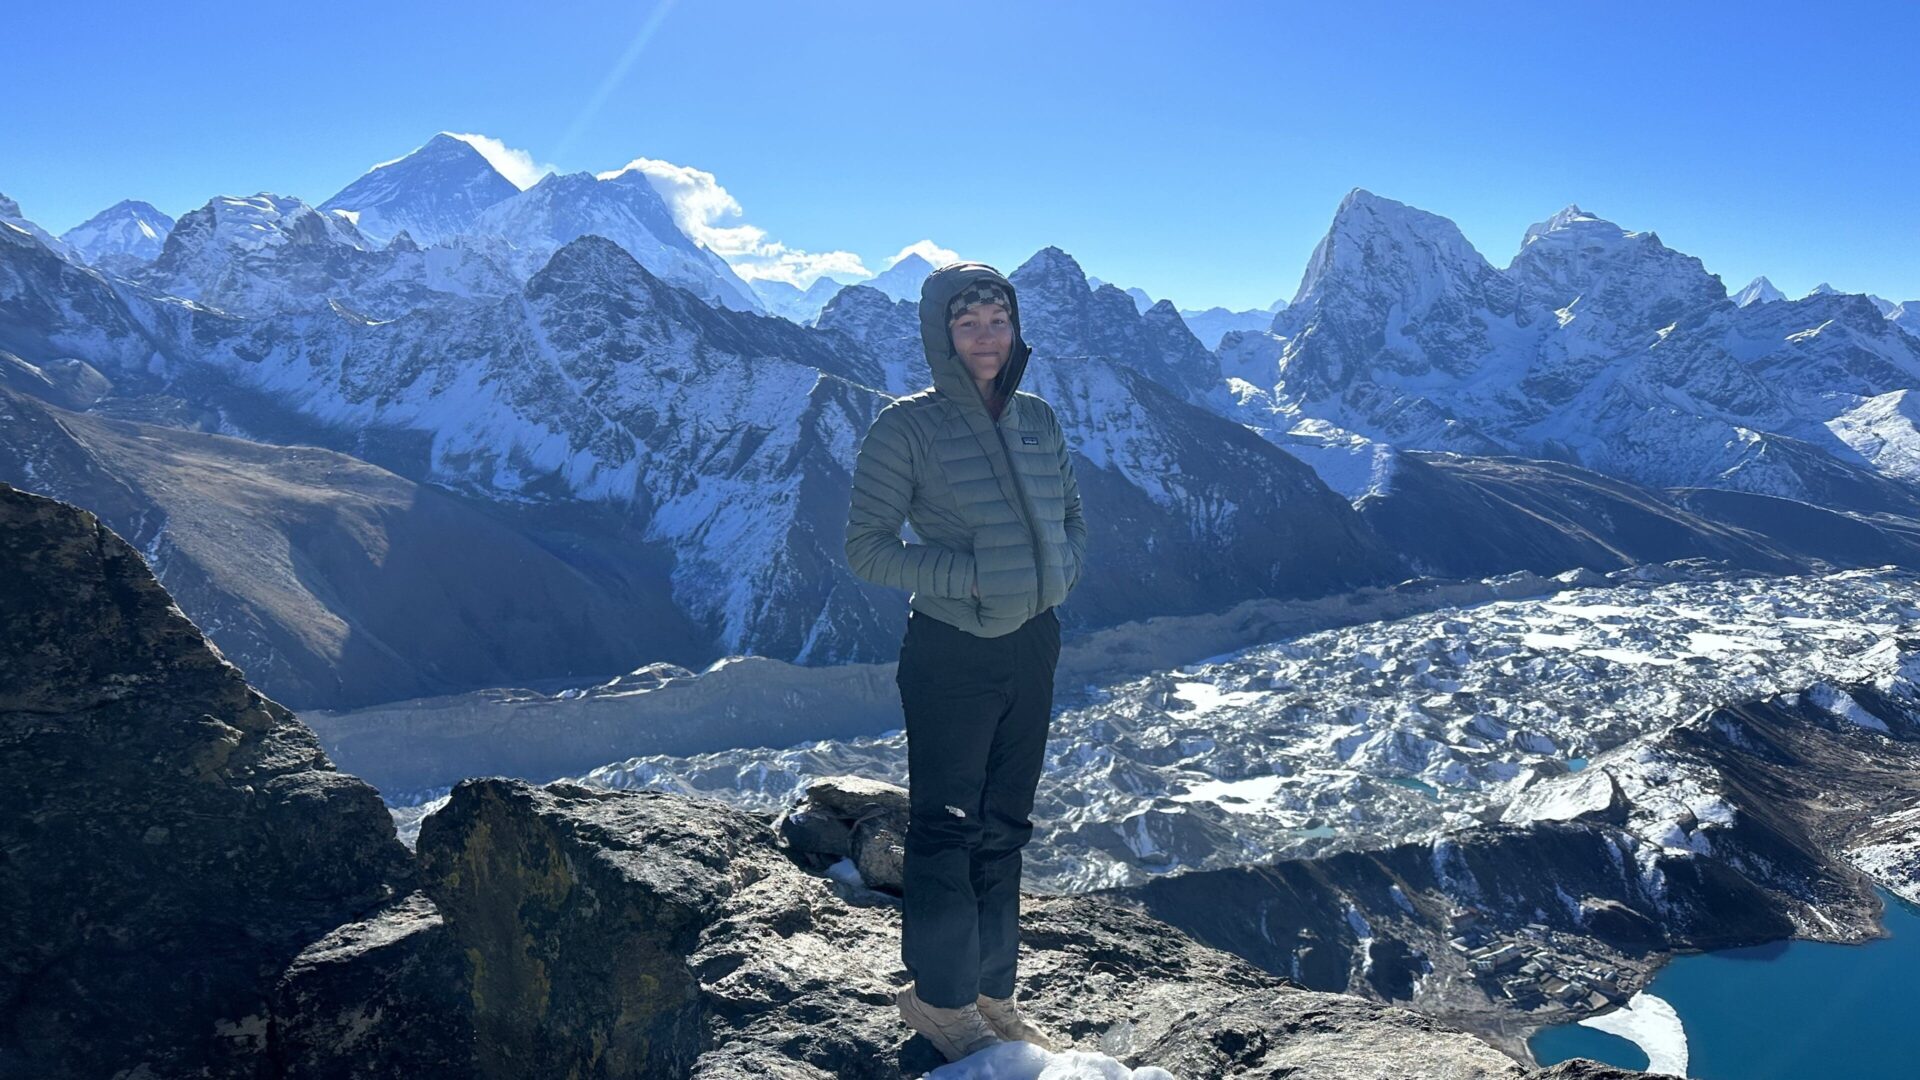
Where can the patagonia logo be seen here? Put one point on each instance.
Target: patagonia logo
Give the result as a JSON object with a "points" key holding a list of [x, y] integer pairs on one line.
{"points": [[1030, 440]]}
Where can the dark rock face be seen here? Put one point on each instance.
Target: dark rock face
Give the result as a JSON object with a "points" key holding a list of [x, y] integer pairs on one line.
{"points": [[577, 909], [172, 838]]}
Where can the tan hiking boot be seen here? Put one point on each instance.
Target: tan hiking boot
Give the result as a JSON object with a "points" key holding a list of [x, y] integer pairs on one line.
{"points": [[1006, 1020], [954, 1032]]}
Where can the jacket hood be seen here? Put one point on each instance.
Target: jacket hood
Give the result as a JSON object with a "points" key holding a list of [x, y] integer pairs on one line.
{"points": [[950, 376]]}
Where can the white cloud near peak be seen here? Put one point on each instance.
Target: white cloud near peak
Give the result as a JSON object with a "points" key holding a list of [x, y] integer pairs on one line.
{"points": [[703, 209], [927, 250], [517, 166]]}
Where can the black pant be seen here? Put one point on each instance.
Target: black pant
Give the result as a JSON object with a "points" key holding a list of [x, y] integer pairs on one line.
{"points": [[977, 712]]}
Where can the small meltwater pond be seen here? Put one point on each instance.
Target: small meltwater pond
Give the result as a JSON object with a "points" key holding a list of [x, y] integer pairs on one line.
{"points": [[1791, 1010]]}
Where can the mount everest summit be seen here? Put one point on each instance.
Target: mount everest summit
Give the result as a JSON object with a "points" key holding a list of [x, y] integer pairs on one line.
{"points": [[433, 194]]}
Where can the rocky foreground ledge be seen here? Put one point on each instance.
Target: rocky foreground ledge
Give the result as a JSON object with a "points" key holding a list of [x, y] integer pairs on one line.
{"points": [[192, 889]]}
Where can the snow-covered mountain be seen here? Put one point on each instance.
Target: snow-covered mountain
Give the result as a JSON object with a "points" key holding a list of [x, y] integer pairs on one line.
{"points": [[902, 280], [1617, 365], [268, 253], [1170, 471], [1758, 291], [439, 225], [793, 303], [625, 208], [1595, 345], [433, 193], [121, 238], [730, 436]]}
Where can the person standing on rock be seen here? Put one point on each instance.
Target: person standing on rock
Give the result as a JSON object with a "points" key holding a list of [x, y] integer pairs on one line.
{"points": [[981, 472]]}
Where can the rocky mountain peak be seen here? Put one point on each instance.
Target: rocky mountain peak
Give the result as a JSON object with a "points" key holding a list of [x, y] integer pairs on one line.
{"points": [[1051, 284], [559, 185], [1632, 275], [1051, 269], [434, 192], [12, 219], [1061, 316], [591, 263], [1390, 249], [229, 226], [856, 309], [1758, 291], [445, 147], [1567, 218], [129, 231]]}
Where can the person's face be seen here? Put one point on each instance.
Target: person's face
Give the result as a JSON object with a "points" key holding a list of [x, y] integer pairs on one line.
{"points": [[983, 336]]}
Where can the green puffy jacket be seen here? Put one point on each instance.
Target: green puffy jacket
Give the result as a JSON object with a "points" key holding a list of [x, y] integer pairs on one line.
{"points": [[994, 503]]}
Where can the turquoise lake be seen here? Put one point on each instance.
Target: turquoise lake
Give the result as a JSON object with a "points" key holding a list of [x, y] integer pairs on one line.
{"points": [[1792, 1010]]}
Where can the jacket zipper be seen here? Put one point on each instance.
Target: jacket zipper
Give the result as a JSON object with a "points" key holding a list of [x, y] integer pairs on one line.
{"points": [[1026, 509]]}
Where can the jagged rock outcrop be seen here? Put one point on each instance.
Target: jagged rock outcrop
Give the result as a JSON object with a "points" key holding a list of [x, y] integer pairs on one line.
{"points": [[608, 931], [171, 838]]}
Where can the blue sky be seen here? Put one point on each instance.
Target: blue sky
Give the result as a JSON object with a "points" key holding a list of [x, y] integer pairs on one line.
{"points": [[1196, 150]]}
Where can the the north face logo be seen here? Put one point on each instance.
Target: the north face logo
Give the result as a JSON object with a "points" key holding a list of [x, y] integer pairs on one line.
{"points": [[1030, 440], [956, 811]]}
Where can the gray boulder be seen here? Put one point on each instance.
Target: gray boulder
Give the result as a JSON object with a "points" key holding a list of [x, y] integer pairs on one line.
{"points": [[384, 998], [851, 817]]}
